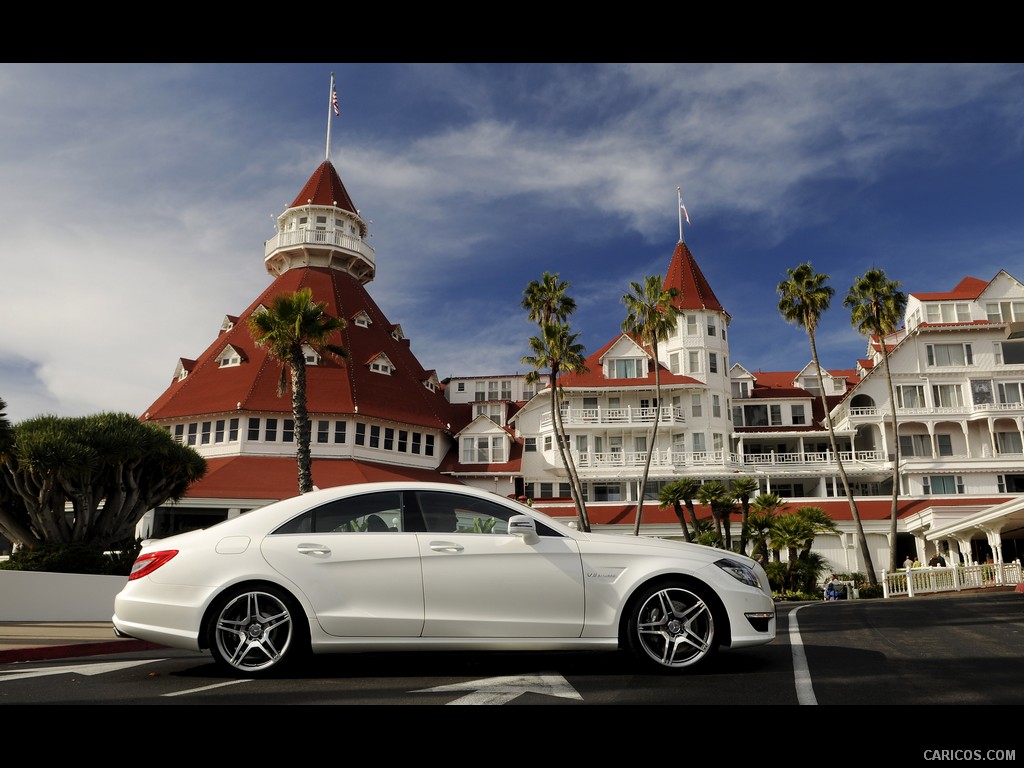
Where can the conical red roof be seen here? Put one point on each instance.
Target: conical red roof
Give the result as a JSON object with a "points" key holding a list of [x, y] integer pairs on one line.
{"points": [[324, 188], [694, 291]]}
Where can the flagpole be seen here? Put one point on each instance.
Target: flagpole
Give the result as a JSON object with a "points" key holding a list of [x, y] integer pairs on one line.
{"points": [[330, 106], [679, 211]]}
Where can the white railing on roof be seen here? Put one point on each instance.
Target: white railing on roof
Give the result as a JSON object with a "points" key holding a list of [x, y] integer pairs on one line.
{"points": [[321, 237]]}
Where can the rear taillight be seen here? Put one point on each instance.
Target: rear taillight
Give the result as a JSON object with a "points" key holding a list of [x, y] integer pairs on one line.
{"points": [[146, 564]]}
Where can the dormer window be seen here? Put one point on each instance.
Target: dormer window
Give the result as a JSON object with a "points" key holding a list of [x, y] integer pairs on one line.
{"points": [[381, 364], [312, 358], [626, 368], [229, 357], [362, 320]]}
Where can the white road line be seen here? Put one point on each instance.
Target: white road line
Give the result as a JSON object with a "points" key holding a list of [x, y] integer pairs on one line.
{"points": [[801, 674], [206, 688]]}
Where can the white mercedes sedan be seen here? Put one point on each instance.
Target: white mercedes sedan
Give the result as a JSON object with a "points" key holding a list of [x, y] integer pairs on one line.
{"points": [[404, 566]]}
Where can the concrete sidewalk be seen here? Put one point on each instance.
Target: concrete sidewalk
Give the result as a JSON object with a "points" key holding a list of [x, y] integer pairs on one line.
{"points": [[45, 640]]}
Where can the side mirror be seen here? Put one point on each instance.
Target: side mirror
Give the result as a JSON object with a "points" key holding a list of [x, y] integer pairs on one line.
{"points": [[525, 527]]}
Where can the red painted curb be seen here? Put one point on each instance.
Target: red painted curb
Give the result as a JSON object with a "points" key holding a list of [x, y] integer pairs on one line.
{"points": [[45, 653]]}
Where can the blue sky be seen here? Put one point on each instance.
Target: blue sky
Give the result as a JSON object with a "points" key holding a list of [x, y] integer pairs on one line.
{"points": [[137, 198]]}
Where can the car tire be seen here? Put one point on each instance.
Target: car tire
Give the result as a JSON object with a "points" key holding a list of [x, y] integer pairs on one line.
{"points": [[671, 627], [254, 630]]}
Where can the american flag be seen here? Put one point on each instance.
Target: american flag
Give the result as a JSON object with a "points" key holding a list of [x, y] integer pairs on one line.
{"points": [[334, 102], [685, 214]]}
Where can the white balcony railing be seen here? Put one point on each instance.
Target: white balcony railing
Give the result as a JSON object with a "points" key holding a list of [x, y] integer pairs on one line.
{"points": [[581, 417], [331, 238]]}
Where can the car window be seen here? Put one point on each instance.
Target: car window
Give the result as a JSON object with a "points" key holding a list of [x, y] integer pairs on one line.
{"points": [[369, 513], [455, 513]]}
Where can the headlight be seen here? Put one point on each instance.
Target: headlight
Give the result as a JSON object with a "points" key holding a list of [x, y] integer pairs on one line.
{"points": [[738, 571]]}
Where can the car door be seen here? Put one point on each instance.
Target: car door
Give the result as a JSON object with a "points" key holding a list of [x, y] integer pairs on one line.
{"points": [[481, 581], [356, 564]]}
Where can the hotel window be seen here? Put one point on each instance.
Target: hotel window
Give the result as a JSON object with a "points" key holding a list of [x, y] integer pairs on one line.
{"points": [[481, 391], [640, 443], [461, 387], [945, 484], [626, 369], [607, 492], [947, 396], [321, 222], [915, 445], [403, 441], [1008, 442], [581, 444], [1005, 311], [698, 442], [679, 442], [389, 439], [288, 431], [375, 435], [360, 433], [323, 431], [506, 390], [254, 429], [339, 431], [717, 444], [755, 415], [429, 445], [1009, 352], [546, 491], [218, 431], [206, 432], [910, 396], [696, 409], [530, 444], [737, 415], [271, 434], [716, 407], [775, 412], [711, 326], [944, 442], [233, 430], [179, 433], [547, 442], [947, 313], [712, 362], [741, 389], [416, 438], [691, 325], [693, 361], [193, 430], [1010, 392], [673, 363], [949, 354], [798, 414], [492, 390], [381, 366]]}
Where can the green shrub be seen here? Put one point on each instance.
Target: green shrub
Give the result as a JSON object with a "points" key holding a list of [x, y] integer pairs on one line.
{"points": [[75, 558]]}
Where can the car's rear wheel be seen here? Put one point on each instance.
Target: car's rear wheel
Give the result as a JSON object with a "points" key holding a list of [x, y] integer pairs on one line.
{"points": [[671, 627], [256, 629]]}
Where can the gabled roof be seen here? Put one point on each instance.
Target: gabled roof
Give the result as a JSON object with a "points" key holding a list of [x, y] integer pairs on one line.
{"points": [[333, 386], [694, 291], [325, 188], [594, 377]]}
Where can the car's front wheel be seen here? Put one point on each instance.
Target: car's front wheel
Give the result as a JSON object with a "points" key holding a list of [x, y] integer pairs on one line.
{"points": [[256, 629], [671, 627]]}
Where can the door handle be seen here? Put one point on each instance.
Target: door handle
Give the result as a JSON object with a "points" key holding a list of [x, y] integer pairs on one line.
{"points": [[445, 546], [313, 549]]}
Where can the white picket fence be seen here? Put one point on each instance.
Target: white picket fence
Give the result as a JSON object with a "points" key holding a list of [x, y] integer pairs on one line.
{"points": [[953, 578]]}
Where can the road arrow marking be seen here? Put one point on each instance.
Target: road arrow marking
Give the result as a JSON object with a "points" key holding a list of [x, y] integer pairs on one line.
{"points": [[500, 690], [81, 669]]}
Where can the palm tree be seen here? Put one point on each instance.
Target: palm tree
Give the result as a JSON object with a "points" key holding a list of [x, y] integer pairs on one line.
{"points": [[789, 532], [761, 520], [676, 494], [717, 497], [547, 304], [293, 322], [819, 522], [876, 306], [558, 351], [742, 489], [650, 317], [804, 298]]}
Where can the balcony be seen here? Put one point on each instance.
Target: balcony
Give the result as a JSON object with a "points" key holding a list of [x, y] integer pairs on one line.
{"points": [[597, 417], [862, 414], [812, 463], [319, 247]]}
